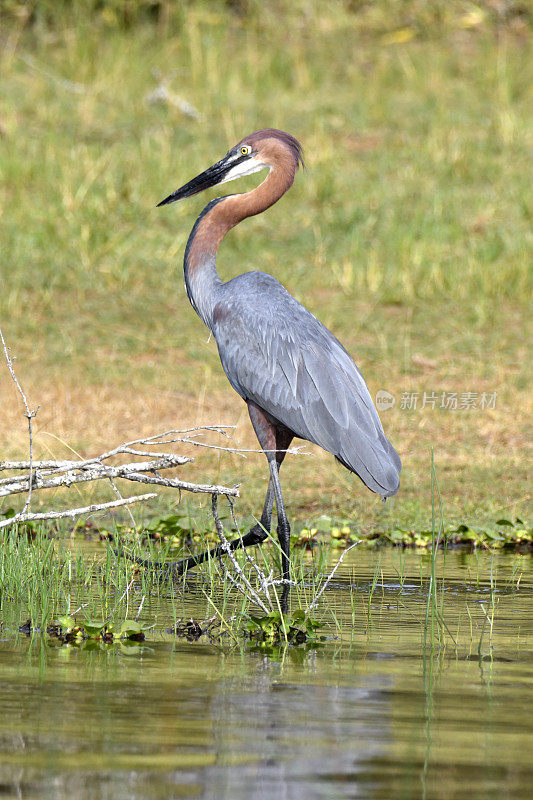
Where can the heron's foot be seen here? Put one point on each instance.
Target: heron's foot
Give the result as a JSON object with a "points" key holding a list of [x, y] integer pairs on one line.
{"points": [[162, 569], [256, 535], [172, 569]]}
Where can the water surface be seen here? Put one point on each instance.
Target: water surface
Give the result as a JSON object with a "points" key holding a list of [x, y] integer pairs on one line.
{"points": [[370, 714]]}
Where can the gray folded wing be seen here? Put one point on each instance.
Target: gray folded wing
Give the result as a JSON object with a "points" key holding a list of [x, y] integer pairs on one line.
{"points": [[277, 354]]}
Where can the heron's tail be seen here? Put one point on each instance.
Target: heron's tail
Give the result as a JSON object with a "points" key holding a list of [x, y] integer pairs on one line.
{"points": [[378, 465]]}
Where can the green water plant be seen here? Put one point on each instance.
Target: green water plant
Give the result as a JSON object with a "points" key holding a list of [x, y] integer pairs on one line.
{"points": [[275, 628], [502, 534], [68, 631]]}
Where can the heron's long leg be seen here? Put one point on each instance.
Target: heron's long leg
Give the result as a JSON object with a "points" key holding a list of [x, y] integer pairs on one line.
{"points": [[274, 438], [262, 528], [284, 530], [257, 534]]}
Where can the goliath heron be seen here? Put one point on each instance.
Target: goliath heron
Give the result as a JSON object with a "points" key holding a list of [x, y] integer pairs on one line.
{"points": [[294, 375]]}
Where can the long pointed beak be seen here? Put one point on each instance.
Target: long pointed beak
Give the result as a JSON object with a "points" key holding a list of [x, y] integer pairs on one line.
{"points": [[211, 177]]}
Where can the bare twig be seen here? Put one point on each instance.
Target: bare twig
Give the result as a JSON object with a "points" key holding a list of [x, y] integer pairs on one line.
{"points": [[75, 512], [196, 488], [62, 465], [71, 86], [314, 604], [241, 451], [52, 465], [220, 429], [156, 439], [265, 581], [141, 604], [128, 509], [29, 416], [246, 588], [96, 471]]}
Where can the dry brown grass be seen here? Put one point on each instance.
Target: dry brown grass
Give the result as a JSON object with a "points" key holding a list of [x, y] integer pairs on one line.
{"points": [[480, 455]]}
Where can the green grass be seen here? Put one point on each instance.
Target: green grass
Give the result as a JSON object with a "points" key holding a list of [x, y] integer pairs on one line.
{"points": [[409, 235], [75, 595], [83, 595]]}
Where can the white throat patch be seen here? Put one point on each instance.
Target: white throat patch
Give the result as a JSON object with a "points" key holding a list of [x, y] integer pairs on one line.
{"points": [[245, 168]]}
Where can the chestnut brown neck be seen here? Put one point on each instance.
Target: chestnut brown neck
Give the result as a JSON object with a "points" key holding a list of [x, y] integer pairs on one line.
{"points": [[217, 218]]}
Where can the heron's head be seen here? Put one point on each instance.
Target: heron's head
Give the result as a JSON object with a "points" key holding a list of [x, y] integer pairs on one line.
{"points": [[265, 149]]}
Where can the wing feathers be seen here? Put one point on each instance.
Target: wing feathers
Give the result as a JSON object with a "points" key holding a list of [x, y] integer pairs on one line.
{"points": [[277, 354]]}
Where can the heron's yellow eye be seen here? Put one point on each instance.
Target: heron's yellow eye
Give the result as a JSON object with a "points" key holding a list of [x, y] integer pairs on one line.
{"points": [[245, 150]]}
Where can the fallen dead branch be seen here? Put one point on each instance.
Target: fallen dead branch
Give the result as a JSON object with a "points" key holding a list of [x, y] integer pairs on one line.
{"points": [[134, 471], [75, 512], [51, 474], [55, 474]]}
